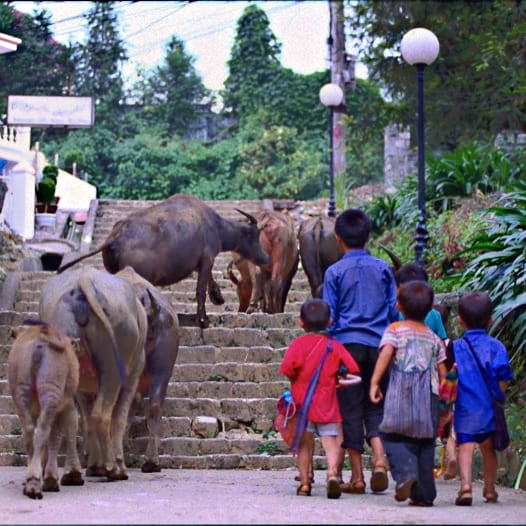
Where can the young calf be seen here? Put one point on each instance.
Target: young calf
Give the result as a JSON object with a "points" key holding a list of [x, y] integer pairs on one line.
{"points": [[43, 375]]}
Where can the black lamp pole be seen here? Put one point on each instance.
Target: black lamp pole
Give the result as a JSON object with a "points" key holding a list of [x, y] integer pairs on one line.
{"points": [[332, 201], [421, 230]]}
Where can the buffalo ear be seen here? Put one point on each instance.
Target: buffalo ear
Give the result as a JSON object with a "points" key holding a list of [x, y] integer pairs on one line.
{"points": [[252, 220]]}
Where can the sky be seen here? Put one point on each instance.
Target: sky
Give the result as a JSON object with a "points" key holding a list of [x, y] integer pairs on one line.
{"points": [[207, 28]]}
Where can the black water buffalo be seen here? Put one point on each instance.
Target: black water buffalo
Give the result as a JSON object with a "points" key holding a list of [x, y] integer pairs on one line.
{"points": [[318, 250], [168, 241]]}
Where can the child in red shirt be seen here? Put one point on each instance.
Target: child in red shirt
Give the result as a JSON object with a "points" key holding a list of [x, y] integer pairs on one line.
{"points": [[299, 364]]}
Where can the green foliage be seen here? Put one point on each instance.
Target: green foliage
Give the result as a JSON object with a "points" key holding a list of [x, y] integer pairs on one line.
{"points": [[472, 169], [174, 92], [268, 447], [479, 43], [74, 156], [498, 257], [365, 122], [275, 162], [99, 63], [50, 171], [254, 60], [46, 190]]}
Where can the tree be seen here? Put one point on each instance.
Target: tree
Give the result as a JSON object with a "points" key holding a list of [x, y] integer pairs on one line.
{"points": [[175, 92], [254, 61], [475, 88], [49, 62], [367, 116], [99, 63]]}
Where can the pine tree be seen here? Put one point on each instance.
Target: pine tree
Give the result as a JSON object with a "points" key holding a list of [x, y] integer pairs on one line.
{"points": [[176, 92], [99, 63]]}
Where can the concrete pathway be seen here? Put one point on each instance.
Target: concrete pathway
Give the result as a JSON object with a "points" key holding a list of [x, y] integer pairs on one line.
{"points": [[238, 497]]}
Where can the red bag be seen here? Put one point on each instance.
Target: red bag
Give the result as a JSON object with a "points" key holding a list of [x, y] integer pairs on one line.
{"points": [[286, 419], [286, 426]]}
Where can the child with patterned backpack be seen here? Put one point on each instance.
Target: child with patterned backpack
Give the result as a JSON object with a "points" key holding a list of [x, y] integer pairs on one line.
{"points": [[415, 357]]}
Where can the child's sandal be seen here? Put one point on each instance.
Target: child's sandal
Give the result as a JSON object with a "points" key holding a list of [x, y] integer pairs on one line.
{"points": [[465, 498], [304, 490], [490, 495]]}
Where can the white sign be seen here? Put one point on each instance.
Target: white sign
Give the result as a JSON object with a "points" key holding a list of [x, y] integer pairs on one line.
{"points": [[43, 112]]}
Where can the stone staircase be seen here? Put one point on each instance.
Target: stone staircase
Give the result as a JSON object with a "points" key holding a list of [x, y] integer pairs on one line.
{"points": [[225, 384]]}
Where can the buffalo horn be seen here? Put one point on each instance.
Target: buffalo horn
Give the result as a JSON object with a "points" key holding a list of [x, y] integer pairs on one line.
{"points": [[394, 258], [251, 218]]}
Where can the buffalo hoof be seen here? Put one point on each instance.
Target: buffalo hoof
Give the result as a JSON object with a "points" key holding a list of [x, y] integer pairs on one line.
{"points": [[96, 471], [204, 323], [33, 488], [50, 484], [150, 467], [215, 295], [73, 478], [115, 474]]}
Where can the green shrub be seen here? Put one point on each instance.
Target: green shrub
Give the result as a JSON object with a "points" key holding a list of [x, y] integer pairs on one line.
{"points": [[46, 190]]}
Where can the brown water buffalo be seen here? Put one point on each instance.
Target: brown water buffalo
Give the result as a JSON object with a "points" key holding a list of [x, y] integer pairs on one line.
{"points": [[103, 312], [43, 375], [267, 286], [318, 250], [168, 241], [162, 346]]}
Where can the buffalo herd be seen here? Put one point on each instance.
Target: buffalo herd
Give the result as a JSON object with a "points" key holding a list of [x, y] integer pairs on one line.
{"points": [[105, 339]]}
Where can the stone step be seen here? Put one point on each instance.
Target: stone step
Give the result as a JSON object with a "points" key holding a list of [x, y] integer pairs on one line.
{"points": [[230, 297], [235, 409], [261, 461]]}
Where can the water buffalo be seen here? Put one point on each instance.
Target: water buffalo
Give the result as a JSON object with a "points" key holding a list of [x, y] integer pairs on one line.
{"points": [[162, 346], [268, 284], [168, 241], [318, 250], [43, 375], [103, 312]]}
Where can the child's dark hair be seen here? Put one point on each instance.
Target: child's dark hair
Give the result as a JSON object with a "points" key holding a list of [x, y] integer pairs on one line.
{"points": [[315, 314], [475, 309], [416, 299], [410, 272], [353, 227]]}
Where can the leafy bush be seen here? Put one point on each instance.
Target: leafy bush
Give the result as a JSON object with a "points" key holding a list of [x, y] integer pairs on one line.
{"points": [[471, 169], [499, 267], [46, 190]]}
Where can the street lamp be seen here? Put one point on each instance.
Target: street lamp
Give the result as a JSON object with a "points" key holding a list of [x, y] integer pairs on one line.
{"points": [[331, 96], [420, 48]]}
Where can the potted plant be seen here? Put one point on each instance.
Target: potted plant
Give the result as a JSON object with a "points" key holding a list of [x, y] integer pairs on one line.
{"points": [[46, 200]]}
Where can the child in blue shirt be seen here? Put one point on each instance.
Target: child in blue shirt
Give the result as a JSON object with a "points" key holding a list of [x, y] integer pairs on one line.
{"points": [[361, 292], [473, 417]]}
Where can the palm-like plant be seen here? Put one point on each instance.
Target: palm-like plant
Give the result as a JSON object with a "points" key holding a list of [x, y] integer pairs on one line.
{"points": [[500, 269]]}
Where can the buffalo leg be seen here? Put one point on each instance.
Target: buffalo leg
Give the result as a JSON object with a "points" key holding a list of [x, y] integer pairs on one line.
{"points": [[101, 417], [152, 464], [118, 428], [72, 475], [203, 277], [51, 469], [33, 485]]}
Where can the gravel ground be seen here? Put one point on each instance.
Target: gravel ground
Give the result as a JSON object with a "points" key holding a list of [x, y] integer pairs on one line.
{"points": [[238, 497]]}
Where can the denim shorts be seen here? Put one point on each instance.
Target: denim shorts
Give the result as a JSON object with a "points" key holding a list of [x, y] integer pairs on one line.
{"points": [[323, 430], [463, 438]]}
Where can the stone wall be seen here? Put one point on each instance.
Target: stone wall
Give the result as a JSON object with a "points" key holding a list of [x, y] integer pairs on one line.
{"points": [[399, 160]]}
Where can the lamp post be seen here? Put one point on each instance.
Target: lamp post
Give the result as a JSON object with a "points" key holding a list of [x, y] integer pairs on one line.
{"points": [[420, 48], [331, 96]]}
